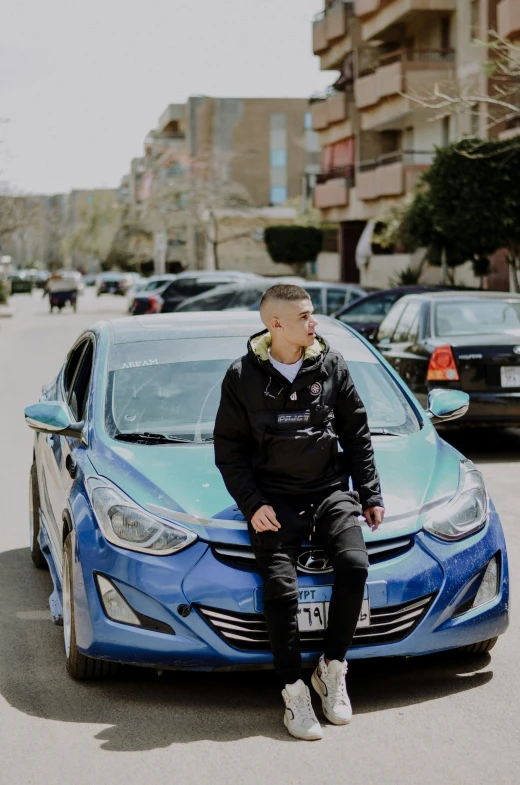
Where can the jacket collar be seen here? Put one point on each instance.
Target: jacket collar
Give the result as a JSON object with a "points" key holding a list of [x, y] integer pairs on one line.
{"points": [[261, 342], [313, 356]]}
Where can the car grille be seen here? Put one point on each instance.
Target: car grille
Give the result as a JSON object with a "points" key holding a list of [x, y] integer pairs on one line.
{"points": [[248, 631], [242, 556]]}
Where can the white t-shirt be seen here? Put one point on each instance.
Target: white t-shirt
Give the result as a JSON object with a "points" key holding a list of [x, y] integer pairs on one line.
{"points": [[290, 370]]}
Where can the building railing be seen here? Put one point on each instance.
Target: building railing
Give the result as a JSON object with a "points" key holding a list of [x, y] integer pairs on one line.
{"points": [[329, 5], [418, 157], [330, 92], [409, 56], [344, 172]]}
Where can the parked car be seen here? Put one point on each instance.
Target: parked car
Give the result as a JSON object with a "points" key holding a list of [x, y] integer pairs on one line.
{"points": [[20, 282], [232, 296], [459, 341], [366, 314], [113, 283], [326, 297], [90, 279], [150, 557], [188, 284], [154, 282]]}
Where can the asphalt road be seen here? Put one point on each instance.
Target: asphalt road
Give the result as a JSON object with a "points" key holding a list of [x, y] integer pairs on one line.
{"points": [[427, 720]]}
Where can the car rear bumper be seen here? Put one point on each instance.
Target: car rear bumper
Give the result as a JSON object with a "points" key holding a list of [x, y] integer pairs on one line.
{"points": [[163, 587]]}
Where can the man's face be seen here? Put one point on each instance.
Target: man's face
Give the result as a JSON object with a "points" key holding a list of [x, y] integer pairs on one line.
{"points": [[295, 322]]}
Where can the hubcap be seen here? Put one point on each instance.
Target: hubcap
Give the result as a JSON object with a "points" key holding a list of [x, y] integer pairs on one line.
{"points": [[66, 603]]}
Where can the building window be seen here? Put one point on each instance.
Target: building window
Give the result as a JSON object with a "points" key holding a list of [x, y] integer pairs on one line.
{"points": [[307, 121], [278, 179], [278, 157], [278, 195]]}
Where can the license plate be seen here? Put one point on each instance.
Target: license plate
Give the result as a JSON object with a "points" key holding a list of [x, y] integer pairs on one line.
{"points": [[510, 376], [313, 616]]}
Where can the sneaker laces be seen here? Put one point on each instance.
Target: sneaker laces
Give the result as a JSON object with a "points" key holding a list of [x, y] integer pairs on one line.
{"points": [[302, 706], [339, 688]]}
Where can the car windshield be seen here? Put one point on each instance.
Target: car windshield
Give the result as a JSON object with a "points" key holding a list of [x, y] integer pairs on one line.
{"points": [[151, 285], [479, 317], [172, 387]]}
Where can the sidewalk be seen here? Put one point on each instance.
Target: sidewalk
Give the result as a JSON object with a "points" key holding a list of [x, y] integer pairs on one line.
{"points": [[6, 311]]}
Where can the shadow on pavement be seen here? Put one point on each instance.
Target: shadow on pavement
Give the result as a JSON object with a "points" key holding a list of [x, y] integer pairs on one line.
{"points": [[485, 445], [147, 712]]}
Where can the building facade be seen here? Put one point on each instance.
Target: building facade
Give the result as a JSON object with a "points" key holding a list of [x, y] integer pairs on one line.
{"points": [[223, 164], [375, 140]]}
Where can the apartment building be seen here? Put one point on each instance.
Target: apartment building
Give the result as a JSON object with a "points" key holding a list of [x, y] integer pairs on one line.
{"points": [[375, 140], [265, 147]]}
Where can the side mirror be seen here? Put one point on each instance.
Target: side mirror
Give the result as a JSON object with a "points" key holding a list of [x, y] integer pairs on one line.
{"points": [[53, 417], [445, 405]]}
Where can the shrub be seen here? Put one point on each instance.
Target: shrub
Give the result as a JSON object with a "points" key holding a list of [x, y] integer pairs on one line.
{"points": [[293, 244]]}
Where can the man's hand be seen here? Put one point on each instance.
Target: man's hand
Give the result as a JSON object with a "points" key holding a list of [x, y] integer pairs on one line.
{"points": [[264, 520], [374, 516]]}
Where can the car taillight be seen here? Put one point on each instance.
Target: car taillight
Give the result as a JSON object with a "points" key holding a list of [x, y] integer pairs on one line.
{"points": [[153, 305], [442, 366]]}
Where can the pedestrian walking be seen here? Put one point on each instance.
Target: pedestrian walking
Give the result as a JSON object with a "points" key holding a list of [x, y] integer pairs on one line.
{"points": [[286, 407]]}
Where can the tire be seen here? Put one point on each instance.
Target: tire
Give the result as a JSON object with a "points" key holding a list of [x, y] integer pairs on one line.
{"points": [[79, 666], [37, 556], [476, 649]]}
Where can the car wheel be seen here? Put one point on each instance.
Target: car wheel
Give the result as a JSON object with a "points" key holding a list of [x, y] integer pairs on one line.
{"points": [[37, 556], [79, 665], [476, 649]]}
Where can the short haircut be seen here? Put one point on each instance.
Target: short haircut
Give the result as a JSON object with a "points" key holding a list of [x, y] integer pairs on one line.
{"points": [[284, 291]]}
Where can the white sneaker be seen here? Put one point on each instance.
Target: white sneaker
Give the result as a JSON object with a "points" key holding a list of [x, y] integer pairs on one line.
{"points": [[299, 717], [329, 683]]}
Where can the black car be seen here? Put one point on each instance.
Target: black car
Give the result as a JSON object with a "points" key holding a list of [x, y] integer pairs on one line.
{"points": [[113, 283], [240, 295], [462, 341], [366, 314], [166, 298]]}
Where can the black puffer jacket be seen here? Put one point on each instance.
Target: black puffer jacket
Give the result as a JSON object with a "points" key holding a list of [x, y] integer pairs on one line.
{"points": [[275, 437]]}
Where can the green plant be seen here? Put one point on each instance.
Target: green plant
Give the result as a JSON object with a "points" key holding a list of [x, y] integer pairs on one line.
{"points": [[293, 244], [468, 203], [3, 293], [407, 277]]}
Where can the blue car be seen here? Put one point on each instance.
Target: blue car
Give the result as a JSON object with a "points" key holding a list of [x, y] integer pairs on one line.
{"points": [[149, 555]]}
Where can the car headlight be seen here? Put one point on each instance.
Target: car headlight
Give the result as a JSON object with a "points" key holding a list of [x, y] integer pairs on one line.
{"points": [[466, 513], [126, 524]]}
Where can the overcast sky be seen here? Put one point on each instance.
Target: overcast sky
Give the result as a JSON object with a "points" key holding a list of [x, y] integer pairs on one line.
{"points": [[81, 84]]}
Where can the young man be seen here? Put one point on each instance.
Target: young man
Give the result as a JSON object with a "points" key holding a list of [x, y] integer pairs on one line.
{"points": [[284, 408]]}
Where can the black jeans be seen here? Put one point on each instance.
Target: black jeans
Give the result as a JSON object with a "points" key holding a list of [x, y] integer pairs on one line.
{"points": [[331, 519]]}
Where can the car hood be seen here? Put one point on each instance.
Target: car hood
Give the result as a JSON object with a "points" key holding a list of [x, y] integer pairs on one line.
{"points": [[181, 483]]}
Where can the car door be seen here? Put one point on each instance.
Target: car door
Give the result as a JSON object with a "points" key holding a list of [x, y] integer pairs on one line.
{"points": [[398, 351], [52, 456]]}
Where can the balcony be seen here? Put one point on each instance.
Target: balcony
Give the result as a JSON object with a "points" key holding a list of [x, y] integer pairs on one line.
{"points": [[508, 19], [330, 108], [330, 34], [332, 188], [378, 15], [378, 94], [171, 119], [319, 34], [391, 175]]}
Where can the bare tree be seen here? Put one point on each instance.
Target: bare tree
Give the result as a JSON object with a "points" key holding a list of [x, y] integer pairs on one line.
{"points": [[98, 224], [464, 96]]}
